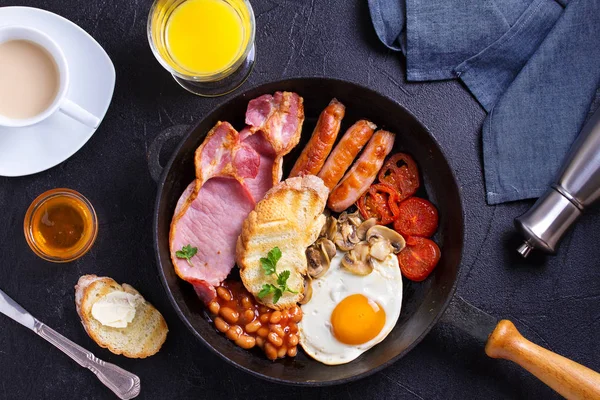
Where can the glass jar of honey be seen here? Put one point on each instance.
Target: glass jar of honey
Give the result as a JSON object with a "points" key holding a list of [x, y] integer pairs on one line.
{"points": [[60, 225]]}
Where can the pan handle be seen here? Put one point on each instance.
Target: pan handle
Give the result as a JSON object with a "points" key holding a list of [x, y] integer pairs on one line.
{"points": [[568, 378], [155, 148]]}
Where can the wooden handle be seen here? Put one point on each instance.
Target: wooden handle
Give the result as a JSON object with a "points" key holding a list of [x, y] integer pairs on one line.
{"points": [[568, 378]]}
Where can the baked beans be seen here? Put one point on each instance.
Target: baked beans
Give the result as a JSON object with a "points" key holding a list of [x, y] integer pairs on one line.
{"points": [[237, 314], [282, 351], [234, 332], [214, 307], [263, 331], [274, 338], [278, 329], [292, 351], [253, 326], [292, 340], [249, 316], [245, 342], [247, 303], [270, 351], [275, 317], [229, 315], [224, 293], [221, 325]]}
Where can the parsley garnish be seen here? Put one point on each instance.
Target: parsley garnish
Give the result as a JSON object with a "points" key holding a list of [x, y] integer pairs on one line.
{"points": [[187, 252], [269, 266]]}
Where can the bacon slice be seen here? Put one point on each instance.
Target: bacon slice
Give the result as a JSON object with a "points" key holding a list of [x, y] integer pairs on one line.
{"points": [[223, 154], [279, 118], [233, 172]]}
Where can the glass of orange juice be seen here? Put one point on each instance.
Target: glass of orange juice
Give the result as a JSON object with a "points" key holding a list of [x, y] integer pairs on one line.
{"points": [[207, 45]]}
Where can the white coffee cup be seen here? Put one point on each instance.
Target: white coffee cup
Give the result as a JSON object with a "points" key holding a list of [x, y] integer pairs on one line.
{"points": [[61, 102]]}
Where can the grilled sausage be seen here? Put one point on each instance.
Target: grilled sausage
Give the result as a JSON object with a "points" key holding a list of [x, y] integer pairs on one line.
{"points": [[321, 142], [346, 151], [364, 171]]}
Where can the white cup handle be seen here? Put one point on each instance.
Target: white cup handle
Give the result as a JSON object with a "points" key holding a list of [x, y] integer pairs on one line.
{"points": [[79, 114]]}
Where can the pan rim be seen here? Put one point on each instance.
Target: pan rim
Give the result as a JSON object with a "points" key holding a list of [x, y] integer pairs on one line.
{"points": [[310, 383]]}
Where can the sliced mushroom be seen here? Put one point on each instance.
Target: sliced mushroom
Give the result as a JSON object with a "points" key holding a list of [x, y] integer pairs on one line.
{"points": [[341, 243], [381, 249], [379, 232], [346, 237], [327, 247], [362, 229], [318, 257], [329, 228], [343, 217], [352, 218], [355, 218], [307, 291], [317, 261], [332, 227], [358, 260]]}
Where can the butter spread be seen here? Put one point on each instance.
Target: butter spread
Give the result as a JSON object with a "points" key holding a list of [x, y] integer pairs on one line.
{"points": [[116, 309]]}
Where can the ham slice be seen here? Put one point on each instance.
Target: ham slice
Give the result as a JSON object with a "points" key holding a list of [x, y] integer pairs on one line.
{"points": [[263, 181], [210, 224], [233, 172]]}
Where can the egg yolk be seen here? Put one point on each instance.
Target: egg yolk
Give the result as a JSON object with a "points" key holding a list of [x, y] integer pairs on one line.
{"points": [[356, 319]]}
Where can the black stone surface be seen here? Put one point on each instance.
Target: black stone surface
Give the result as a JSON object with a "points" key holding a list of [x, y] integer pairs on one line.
{"points": [[552, 300]]}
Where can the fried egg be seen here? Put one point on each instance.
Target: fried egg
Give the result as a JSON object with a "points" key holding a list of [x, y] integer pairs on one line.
{"points": [[348, 314]]}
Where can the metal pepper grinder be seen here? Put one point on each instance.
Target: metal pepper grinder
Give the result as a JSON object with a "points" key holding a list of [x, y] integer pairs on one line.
{"points": [[577, 187]]}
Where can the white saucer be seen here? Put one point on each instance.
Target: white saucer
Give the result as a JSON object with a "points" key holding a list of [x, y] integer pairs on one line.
{"points": [[25, 151]]}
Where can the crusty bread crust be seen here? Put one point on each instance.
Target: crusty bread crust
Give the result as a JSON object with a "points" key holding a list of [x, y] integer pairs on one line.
{"points": [[143, 337], [290, 217]]}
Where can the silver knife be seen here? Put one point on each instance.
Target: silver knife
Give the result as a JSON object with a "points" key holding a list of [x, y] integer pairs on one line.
{"points": [[123, 383]]}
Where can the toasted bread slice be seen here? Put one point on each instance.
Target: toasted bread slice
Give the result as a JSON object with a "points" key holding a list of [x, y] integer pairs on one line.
{"points": [[141, 338], [290, 217]]}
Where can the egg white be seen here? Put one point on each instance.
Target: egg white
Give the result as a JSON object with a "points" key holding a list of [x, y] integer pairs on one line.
{"points": [[383, 285]]}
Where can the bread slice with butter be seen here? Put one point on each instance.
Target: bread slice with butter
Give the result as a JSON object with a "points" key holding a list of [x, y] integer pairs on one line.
{"points": [[118, 318], [289, 217]]}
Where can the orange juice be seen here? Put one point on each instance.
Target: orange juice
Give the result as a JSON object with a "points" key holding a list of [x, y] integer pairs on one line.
{"points": [[207, 45], [204, 36]]}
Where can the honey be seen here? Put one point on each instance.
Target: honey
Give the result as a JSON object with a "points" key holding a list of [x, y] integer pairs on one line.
{"points": [[60, 225]]}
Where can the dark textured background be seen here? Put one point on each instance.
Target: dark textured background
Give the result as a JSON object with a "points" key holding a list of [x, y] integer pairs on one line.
{"points": [[553, 300]]}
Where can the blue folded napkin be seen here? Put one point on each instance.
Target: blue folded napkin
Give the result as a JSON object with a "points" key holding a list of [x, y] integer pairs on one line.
{"points": [[534, 65]]}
